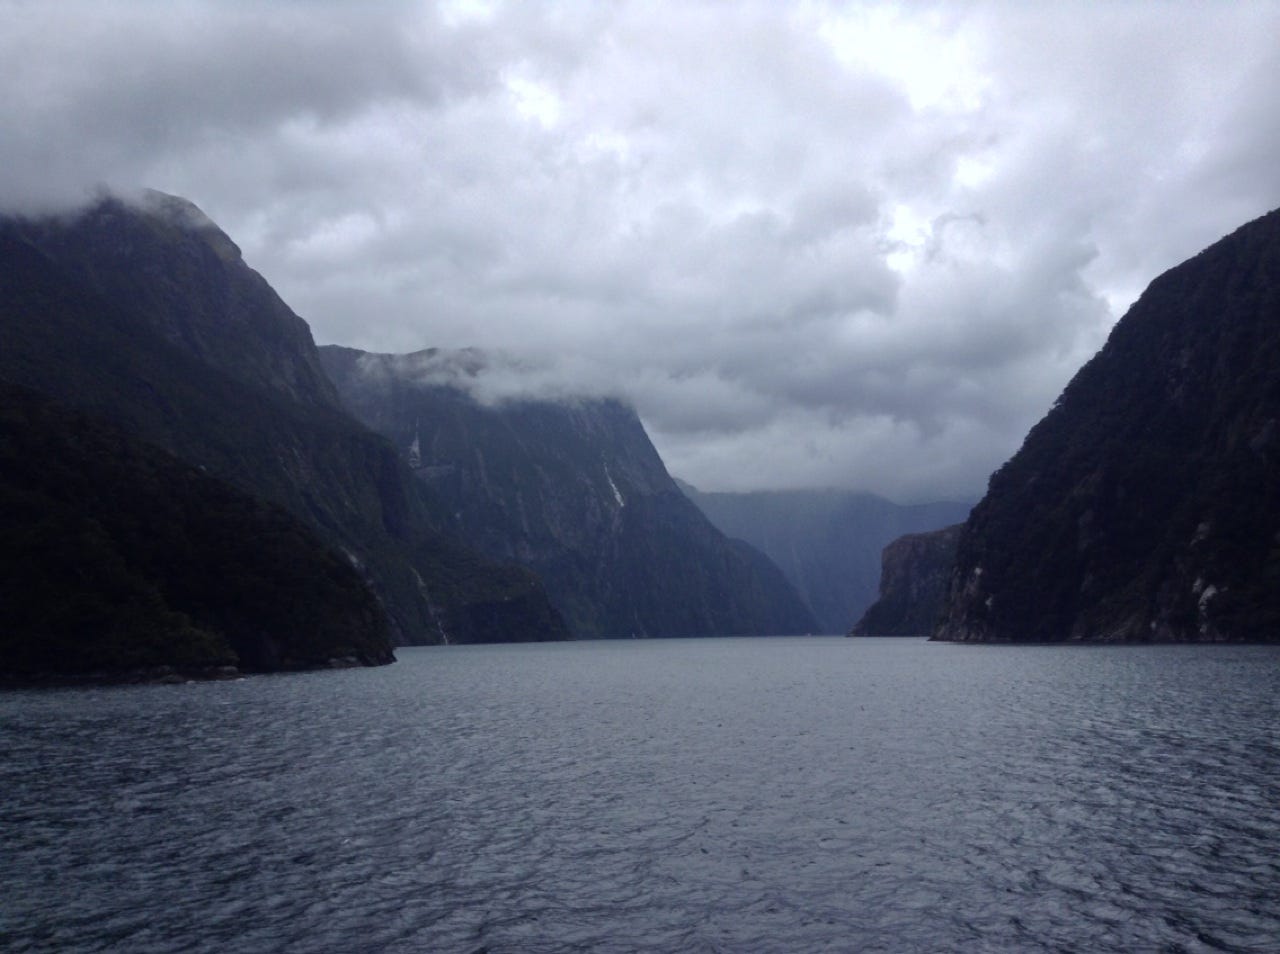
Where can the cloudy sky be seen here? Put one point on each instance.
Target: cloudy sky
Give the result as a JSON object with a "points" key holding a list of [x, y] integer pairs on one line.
{"points": [[815, 244]]}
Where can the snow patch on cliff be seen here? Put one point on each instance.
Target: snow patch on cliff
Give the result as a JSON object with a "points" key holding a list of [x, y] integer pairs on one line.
{"points": [[617, 494]]}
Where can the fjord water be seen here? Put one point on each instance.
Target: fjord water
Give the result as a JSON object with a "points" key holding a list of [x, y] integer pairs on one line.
{"points": [[670, 795]]}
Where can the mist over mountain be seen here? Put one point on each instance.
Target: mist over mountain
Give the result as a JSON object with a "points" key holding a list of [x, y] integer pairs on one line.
{"points": [[182, 278], [1145, 505], [572, 489], [144, 314], [826, 542]]}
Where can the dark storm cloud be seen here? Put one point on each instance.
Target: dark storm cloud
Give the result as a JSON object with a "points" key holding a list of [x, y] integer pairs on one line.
{"points": [[816, 244]]}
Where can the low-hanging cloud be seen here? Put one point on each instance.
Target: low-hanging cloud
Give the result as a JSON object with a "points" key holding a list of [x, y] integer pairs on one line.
{"points": [[814, 245]]}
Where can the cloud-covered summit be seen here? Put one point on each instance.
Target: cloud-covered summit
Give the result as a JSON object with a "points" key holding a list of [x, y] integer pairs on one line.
{"points": [[814, 244]]}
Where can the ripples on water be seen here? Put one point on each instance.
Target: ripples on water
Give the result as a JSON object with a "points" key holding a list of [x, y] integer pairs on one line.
{"points": [[702, 795]]}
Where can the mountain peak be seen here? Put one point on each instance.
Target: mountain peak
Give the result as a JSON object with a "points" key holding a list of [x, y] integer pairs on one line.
{"points": [[174, 210], [170, 267]]}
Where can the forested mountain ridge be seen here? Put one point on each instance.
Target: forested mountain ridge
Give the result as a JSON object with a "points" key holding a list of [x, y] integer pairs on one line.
{"points": [[141, 314], [120, 557], [1145, 506], [573, 490]]}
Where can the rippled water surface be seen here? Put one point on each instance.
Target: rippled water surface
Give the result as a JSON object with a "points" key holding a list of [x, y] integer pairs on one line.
{"points": [[700, 795]]}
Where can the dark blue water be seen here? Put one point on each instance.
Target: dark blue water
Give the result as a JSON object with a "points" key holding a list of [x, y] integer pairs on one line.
{"points": [[703, 795]]}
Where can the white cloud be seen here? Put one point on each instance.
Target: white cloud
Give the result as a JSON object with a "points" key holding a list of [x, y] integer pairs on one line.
{"points": [[815, 244]]}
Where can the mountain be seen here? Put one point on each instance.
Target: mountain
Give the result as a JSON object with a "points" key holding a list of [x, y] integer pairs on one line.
{"points": [[144, 315], [120, 557], [826, 542], [573, 490], [183, 279], [914, 573], [1146, 504]]}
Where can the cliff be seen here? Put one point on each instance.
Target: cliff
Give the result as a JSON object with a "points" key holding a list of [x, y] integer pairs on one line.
{"points": [[144, 315], [1145, 505], [183, 279], [118, 557], [573, 490], [826, 542], [915, 571]]}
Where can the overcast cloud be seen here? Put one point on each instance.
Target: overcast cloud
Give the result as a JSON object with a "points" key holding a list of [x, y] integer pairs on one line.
{"points": [[815, 244]]}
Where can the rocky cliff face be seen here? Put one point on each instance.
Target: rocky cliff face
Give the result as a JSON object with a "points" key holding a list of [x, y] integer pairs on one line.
{"points": [[119, 557], [184, 280], [1146, 504], [576, 492], [147, 317], [914, 575], [826, 542]]}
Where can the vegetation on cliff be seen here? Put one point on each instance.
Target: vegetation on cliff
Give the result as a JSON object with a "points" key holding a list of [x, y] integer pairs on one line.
{"points": [[1146, 504], [146, 317], [915, 572], [118, 556]]}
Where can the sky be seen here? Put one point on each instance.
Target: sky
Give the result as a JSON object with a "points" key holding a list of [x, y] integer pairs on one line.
{"points": [[814, 244]]}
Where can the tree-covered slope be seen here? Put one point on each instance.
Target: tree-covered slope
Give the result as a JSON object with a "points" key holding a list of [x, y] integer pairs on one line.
{"points": [[576, 492], [1146, 504], [118, 556], [915, 571], [92, 315]]}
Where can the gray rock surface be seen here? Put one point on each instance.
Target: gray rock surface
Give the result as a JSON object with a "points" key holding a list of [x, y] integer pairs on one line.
{"points": [[573, 490]]}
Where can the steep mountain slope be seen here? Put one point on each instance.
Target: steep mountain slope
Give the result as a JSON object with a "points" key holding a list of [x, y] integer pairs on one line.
{"points": [[118, 556], [1146, 504], [183, 278], [574, 491], [826, 542], [914, 573], [134, 314]]}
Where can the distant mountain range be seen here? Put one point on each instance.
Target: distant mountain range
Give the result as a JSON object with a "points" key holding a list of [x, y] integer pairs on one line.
{"points": [[1145, 506], [143, 359], [573, 490], [188, 482], [915, 571], [828, 543]]}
